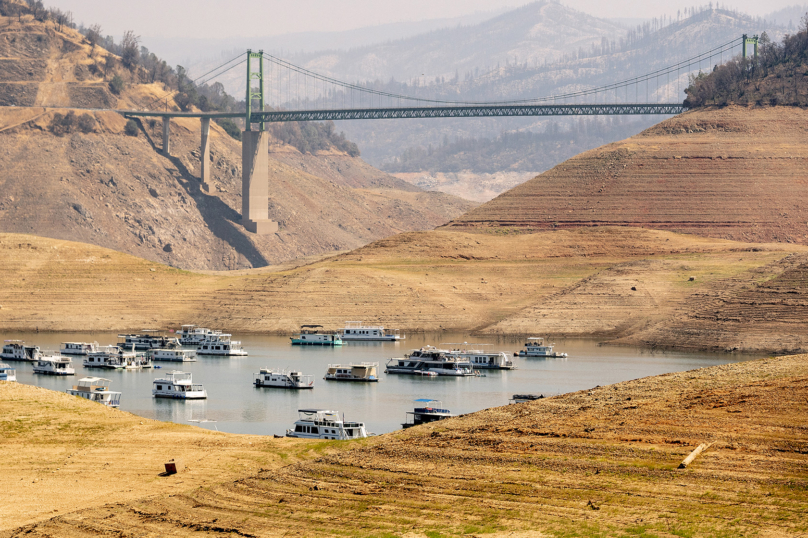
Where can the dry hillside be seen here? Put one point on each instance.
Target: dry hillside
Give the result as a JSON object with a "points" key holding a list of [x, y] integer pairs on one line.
{"points": [[734, 173], [640, 286], [105, 188], [599, 462]]}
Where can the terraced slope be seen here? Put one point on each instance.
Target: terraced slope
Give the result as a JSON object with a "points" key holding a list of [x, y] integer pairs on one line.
{"points": [[733, 173], [601, 462], [619, 284]]}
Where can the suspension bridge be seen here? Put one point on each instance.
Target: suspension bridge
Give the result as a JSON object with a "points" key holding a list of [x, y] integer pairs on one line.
{"points": [[290, 93]]}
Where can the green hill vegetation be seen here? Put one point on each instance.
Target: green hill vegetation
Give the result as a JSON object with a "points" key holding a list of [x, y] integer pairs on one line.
{"points": [[777, 76]]}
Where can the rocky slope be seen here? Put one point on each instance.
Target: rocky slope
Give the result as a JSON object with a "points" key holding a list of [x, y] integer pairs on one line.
{"points": [[733, 173], [118, 191]]}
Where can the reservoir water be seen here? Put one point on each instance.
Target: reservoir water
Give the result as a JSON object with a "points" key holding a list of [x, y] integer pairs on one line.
{"points": [[235, 405]]}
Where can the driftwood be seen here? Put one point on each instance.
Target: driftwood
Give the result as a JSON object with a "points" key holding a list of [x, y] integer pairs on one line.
{"points": [[693, 455]]}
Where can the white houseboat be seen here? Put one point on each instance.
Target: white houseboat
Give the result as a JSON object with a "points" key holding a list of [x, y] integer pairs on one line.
{"points": [[430, 359], [355, 331], [221, 344], [310, 336], [7, 373], [16, 350], [282, 380], [173, 355], [430, 411], [54, 365], [365, 371], [191, 335], [148, 341], [325, 424], [78, 348], [108, 357], [535, 347], [482, 360], [96, 389], [178, 385]]}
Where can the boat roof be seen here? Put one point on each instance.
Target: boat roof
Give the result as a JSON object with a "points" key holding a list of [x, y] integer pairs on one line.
{"points": [[317, 411], [92, 380], [4, 365], [426, 400]]}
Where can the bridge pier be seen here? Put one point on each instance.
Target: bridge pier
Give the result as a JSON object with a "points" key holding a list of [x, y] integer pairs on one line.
{"points": [[166, 136], [204, 156], [255, 183]]}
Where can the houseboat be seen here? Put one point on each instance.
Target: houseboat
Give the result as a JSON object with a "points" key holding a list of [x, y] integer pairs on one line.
{"points": [[7, 373], [173, 355], [282, 380], [54, 365], [137, 362], [147, 341], [430, 359], [96, 389], [310, 336], [221, 344], [191, 335], [482, 360], [77, 348], [430, 411], [105, 356], [535, 347], [365, 371], [355, 331], [178, 385], [325, 424], [16, 350]]}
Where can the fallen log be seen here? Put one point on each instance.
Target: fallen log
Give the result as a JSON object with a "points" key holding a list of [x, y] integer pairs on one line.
{"points": [[693, 455]]}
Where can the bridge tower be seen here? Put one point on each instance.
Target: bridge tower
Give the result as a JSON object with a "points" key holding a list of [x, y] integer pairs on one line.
{"points": [[746, 40], [255, 156]]}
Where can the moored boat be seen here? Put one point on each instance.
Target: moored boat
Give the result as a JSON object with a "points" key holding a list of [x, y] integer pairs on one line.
{"points": [[282, 380], [325, 424], [148, 340], [430, 359], [535, 347], [310, 336], [7, 373], [108, 357], [96, 389], [221, 344], [364, 371], [191, 335], [430, 411], [54, 365], [16, 350], [173, 355], [78, 348], [480, 359], [178, 385], [355, 331]]}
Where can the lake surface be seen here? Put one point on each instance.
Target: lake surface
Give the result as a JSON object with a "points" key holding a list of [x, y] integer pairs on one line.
{"points": [[235, 405]]}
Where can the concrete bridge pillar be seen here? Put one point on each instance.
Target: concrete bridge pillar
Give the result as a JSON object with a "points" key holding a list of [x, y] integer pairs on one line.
{"points": [[255, 183], [204, 156], [166, 135]]}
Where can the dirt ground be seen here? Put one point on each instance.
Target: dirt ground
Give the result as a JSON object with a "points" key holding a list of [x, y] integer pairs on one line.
{"points": [[599, 462], [631, 285]]}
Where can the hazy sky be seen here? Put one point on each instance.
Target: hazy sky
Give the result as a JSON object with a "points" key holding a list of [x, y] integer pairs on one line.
{"points": [[220, 18]]}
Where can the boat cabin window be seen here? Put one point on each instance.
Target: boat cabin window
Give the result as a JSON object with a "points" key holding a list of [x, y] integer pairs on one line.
{"points": [[159, 387], [298, 428]]}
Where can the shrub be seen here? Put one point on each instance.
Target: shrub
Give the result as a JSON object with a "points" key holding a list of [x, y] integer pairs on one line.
{"points": [[116, 85], [230, 127], [63, 124], [131, 128], [86, 123]]}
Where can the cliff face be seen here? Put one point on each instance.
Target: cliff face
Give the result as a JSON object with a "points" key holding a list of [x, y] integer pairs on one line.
{"points": [[733, 173], [98, 185]]}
